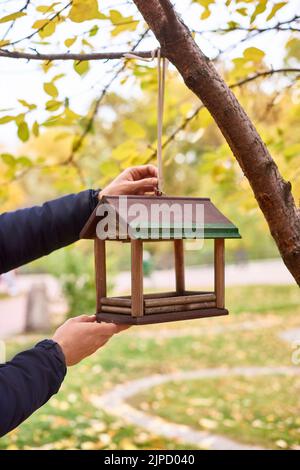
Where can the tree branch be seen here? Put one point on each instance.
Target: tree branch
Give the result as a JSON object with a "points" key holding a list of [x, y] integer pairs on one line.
{"points": [[56, 15], [280, 26], [91, 119], [271, 191], [265, 73], [70, 56], [195, 113], [24, 8]]}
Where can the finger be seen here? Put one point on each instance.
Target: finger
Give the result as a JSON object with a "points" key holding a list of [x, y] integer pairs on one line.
{"points": [[143, 171], [146, 184]]}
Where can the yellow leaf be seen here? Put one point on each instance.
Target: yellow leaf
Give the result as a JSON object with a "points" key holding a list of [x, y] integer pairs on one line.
{"points": [[134, 129], [85, 10], [254, 54], [205, 14], [51, 89], [23, 131], [47, 8], [81, 67], [27, 105], [116, 16], [69, 42], [275, 9], [36, 129], [260, 8], [125, 150], [6, 119], [129, 26], [46, 27], [122, 23], [12, 17], [46, 65], [53, 105]]}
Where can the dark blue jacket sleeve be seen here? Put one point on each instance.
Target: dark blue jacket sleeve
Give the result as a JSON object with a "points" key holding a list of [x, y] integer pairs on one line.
{"points": [[28, 381], [33, 376], [28, 234]]}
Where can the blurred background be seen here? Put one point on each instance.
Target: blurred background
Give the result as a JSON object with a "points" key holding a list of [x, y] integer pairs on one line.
{"points": [[69, 126]]}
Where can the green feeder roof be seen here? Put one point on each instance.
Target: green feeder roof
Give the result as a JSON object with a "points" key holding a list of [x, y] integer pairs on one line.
{"points": [[157, 218]]}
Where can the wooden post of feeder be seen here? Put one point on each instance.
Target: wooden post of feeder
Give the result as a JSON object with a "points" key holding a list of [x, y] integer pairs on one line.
{"points": [[100, 270], [137, 300], [179, 266], [219, 272]]}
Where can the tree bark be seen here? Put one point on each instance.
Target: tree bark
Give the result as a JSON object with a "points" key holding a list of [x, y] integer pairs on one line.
{"points": [[271, 191]]}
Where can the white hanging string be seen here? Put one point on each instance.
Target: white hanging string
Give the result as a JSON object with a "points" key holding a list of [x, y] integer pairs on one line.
{"points": [[161, 75], [161, 78]]}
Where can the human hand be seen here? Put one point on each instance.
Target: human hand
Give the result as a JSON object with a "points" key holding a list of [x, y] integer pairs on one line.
{"points": [[135, 180], [81, 336]]}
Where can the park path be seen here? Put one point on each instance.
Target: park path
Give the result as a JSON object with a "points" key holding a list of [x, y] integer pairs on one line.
{"points": [[259, 272], [115, 403], [115, 400]]}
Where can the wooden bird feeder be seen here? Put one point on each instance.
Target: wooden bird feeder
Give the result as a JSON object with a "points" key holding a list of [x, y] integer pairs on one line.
{"points": [[181, 304]]}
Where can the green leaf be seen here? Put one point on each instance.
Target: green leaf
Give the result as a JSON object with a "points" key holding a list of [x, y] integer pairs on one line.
{"points": [[12, 16], [69, 42], [291, 151], [6, 119], [27, 105], [23, 131], [275, 9], [51, 89], [19, 118], [81, 67], [85, 10], [8, 159], [94, 30], [84, 42], [24, 161]]}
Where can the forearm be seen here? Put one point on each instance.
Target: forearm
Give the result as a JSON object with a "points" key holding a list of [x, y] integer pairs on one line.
{"points": [[28, 234], [28, 381]]}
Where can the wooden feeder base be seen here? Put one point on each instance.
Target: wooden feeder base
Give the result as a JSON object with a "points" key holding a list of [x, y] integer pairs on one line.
{"points": [[159, 317]]}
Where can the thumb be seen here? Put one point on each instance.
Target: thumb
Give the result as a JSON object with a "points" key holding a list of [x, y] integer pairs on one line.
{"points": [[84, 319], [109, 329]]}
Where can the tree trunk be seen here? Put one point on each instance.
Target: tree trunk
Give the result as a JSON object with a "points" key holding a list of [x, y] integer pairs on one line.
{"points": [[271, 191]]}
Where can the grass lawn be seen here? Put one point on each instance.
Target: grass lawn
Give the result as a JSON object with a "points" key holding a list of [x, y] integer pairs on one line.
{"points": [[261, 410]]}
